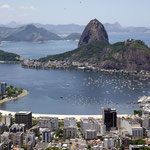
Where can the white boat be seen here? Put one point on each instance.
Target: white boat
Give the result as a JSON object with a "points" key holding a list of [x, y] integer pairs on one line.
{"points": [[142, 99]]}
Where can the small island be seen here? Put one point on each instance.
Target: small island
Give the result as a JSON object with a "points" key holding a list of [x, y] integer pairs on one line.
{"points": [[8, 93]]}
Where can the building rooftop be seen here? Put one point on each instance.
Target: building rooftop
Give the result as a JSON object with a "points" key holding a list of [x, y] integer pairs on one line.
{"points": [[47, 118], [109, 109], [90, 130], [2, 82], [23, 112], [132, 121]]}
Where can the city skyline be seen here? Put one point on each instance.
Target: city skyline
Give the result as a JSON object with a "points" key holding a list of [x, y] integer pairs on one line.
{"points": [[127, 13]]}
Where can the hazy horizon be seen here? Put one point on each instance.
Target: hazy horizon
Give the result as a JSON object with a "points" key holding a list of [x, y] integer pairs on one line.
{"points": [[127, 13], [28, 23]]}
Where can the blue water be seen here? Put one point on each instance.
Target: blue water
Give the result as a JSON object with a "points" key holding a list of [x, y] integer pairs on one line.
{"points": [[81, 92], [31, 50], [118, 37], [35, 50]]}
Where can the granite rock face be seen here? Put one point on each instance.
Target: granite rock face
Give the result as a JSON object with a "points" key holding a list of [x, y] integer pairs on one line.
{"points": [[94, 31]]}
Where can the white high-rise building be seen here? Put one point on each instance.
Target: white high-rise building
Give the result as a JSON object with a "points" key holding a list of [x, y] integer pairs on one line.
{"points": [[70, 132], [90, 134], [69, 122], [146, 122], [70, 128], [91, 125], [132, 127], [108, 143], [48, 122], [103, 129]]}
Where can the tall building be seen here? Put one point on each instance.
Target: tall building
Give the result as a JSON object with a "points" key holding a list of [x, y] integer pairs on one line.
{"points": [[3, 88], [46, 136], [17, 128], [70, 128], [131, 127], [92, 128], [110, 118], [7, 120], [30, 137], [70, 132], [18, 139], [48, 122], [25, 118], [90, 134], [69, 122]]}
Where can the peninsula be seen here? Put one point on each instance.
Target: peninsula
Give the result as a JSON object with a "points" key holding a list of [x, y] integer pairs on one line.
{"points": [[95, 53], [6, 57], [8, 93]]}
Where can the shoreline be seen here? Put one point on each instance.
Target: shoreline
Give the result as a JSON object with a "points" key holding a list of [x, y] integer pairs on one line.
{"points": [[23, 94], [40, 66], [85, 69], [10, 62], [60, 116]]}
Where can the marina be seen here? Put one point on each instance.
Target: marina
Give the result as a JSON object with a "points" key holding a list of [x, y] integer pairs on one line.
{"points": [[144, 103], [75, 93]]}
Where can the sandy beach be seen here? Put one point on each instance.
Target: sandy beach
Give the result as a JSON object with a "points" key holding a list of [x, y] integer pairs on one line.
{"points": [[4, 112], [60, 116], [24, 93]]}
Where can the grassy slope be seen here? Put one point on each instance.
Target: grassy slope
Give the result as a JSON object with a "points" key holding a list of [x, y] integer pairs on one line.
{"points": [[96, 49], [5, 56], [82, 53]]}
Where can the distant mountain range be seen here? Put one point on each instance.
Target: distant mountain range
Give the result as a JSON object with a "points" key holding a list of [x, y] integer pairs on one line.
{"points": [[38, 32], [32, 33], [73, 36], [74, 28]]}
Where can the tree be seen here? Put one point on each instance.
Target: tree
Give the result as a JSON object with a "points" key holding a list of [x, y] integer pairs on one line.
{"points": [[138, 112], [78, 124], [35, 121], [59, 133], [138, 142]]}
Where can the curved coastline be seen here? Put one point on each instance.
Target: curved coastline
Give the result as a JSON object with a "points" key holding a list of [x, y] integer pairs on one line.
{"points": [[60, 116], [23, 94]]}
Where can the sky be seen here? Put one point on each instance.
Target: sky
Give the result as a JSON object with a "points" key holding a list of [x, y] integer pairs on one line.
{"points": [[126, 12]]}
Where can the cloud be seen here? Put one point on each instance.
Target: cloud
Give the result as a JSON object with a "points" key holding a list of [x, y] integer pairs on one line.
{"points": [[5, 6], [27, 7]]}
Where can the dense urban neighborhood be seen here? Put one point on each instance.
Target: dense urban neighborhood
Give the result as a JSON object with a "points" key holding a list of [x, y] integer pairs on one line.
{"points": [[23, 131]]}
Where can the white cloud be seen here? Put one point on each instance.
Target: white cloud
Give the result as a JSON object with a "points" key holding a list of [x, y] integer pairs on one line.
{"points": [[27, 7], [5, 6]]}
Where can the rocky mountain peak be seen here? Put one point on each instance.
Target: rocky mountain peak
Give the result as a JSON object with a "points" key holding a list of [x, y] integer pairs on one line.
{"points": [[94, 31], [30, 27]]}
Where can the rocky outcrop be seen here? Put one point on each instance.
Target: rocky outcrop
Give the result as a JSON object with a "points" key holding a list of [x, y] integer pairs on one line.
{"points": [[94, 31], [94, 48], [131, 55]]}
